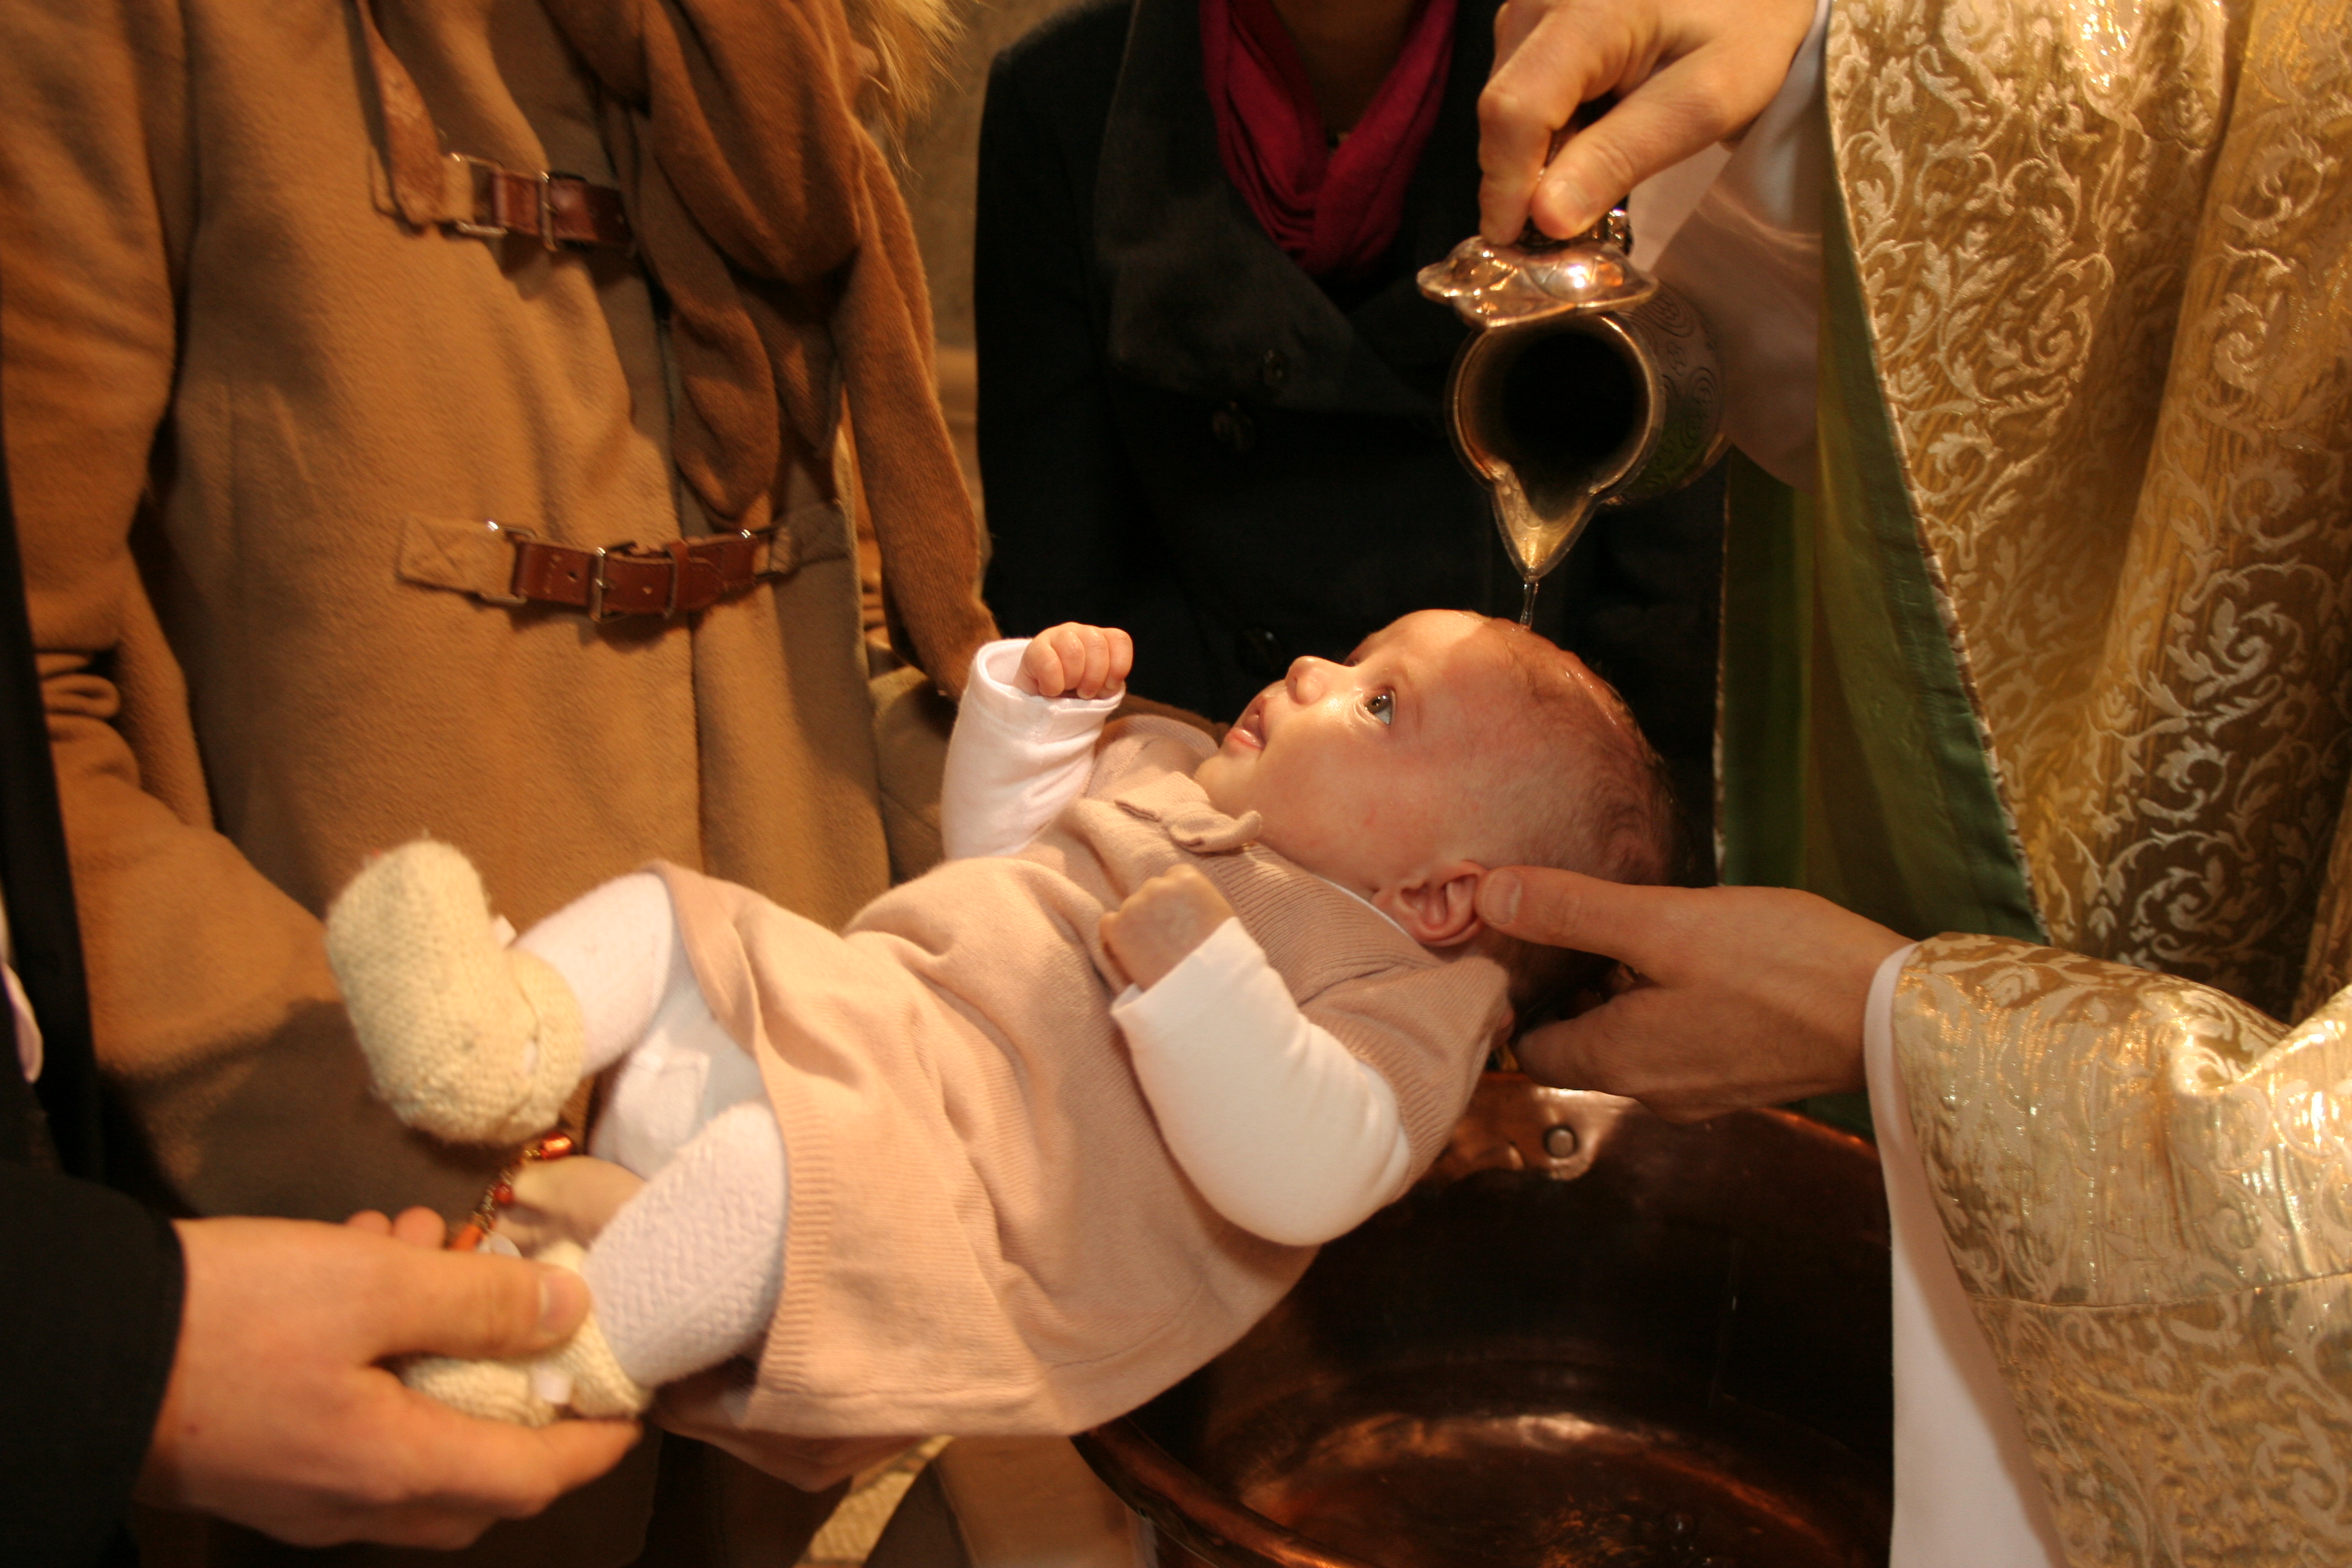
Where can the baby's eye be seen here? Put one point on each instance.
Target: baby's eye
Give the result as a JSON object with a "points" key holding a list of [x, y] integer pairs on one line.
{"points": [[1381, 705]]}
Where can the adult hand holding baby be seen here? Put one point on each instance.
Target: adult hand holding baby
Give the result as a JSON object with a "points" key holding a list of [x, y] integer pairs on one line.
{"points": [[574, 1200], [278, 1416], [1745, 996]]}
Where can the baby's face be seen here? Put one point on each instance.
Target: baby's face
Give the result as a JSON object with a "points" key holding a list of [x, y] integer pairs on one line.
{"points": [[1359, 769]]}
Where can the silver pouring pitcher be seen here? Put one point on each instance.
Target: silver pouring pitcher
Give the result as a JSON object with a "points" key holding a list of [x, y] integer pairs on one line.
{"points": [[1588, 383]]}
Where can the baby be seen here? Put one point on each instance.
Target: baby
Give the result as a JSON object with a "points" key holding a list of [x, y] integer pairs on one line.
{"points": [[1050, 1126]]}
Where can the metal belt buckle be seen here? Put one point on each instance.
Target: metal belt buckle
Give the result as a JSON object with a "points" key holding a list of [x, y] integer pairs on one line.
{"points": [[484, 175], [596, 583]]}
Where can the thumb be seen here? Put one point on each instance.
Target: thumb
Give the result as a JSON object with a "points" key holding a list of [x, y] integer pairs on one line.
{"points": [[1652, 128], [1568, 909], [473, 1304]]}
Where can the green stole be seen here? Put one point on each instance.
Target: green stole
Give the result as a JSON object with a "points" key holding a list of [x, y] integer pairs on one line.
{"points": [[1850, 760]]}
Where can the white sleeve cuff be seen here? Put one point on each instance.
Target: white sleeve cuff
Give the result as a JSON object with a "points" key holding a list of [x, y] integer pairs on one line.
{"points": [[995, 684], [1015, 758], [1878, 1040], [1965, 1488]]}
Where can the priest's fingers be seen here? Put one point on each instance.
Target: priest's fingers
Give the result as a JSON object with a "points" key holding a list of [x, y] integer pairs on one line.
{"points": [[1647, 928], [1687, 73], [1718, 937], [1550, 56], [1683, 109], [1684, 1060], [1754, 996]]}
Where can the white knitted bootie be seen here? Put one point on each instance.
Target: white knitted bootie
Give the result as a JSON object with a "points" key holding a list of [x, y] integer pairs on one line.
{"points": [[465, 1037], [580, 1376]]}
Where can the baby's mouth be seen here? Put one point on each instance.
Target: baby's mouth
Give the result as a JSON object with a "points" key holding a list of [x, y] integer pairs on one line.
{"points": [[1249, 729]]}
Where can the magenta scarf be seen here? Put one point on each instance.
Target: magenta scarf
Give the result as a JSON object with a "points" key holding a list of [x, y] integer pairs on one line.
{"points": [[1333, 210]]}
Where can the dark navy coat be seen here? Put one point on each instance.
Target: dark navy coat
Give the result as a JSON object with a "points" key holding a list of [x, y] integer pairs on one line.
{"points": [[1184, 435]]}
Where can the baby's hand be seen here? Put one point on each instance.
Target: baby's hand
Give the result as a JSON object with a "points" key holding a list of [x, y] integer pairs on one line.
{"points": [[1076, 660], [1162, 922], [565, 1200]]}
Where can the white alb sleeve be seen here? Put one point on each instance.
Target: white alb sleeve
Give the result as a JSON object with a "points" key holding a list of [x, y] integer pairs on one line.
{"points": [[1965, 1490], [1284, 1133], [1737, 233], [1015, 758]]}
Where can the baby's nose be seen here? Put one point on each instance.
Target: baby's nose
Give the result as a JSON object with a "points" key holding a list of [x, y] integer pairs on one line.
{"points": [[1306, 679]]}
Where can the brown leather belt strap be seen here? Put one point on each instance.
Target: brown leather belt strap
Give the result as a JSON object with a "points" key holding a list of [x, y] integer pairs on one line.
{"points": [[675, 579], [474, 195], [501, 565], [555, 209]]}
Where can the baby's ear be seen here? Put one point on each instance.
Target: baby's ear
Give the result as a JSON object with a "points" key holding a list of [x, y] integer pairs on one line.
{"points": [[1439, 907]]}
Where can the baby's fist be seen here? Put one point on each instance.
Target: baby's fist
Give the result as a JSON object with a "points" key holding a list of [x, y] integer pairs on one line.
{"points": [[1077, 660], [1162, 922]]}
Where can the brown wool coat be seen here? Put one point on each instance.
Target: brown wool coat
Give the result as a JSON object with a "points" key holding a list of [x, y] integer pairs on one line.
{"points": [[987, 1234], [255, 423]]}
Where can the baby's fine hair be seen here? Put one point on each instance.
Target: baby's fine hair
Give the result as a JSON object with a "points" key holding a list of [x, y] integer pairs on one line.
{"points": [[1583, 791]]}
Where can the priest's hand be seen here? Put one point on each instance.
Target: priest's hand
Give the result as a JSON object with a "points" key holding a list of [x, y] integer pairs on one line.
{"points": [[279, 1417], [1738, 997], [1687, 73]]}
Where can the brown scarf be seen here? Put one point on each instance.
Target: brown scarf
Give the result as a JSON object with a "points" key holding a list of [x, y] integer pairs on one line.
{"points": [[768, 217]]}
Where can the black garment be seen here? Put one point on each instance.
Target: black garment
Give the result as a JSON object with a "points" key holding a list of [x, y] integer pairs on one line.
{"points": [[1182, 434], [90, 1281], [90, 1314]]}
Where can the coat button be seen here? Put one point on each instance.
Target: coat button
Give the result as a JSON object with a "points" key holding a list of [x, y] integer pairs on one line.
{"points": [[1235, 431], [1261, 652], [1273, 369]]}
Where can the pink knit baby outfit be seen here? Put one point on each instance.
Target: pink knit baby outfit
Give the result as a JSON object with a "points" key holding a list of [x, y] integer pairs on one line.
{"points": [[987, 1232]]}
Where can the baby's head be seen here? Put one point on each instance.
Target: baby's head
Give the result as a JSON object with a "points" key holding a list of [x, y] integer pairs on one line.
{"points": [[1448, 743]]}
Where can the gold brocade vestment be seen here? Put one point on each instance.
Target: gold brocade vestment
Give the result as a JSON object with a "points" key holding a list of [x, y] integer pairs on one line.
{"points": [[2069, 632]]}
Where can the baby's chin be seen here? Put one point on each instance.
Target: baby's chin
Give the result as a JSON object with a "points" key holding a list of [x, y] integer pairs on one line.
{"points": [[1217, 780]]}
